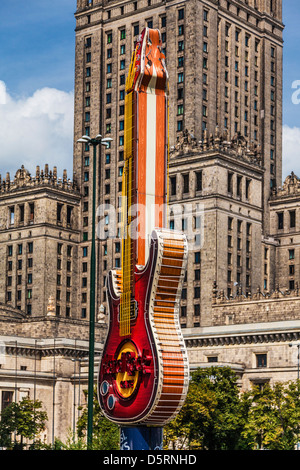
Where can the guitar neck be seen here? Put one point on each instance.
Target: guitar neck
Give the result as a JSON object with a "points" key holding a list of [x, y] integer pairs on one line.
{"points": [[129, 240]]}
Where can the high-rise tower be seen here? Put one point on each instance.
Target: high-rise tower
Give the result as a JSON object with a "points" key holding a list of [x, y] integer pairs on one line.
{"points": [[224, 60]]}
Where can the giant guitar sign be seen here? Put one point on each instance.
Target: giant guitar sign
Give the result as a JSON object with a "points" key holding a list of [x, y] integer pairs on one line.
{"points": [[143, 373]]}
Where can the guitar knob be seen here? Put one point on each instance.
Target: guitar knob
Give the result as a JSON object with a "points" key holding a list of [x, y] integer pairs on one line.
{"points": [[104, 388], [111, 402]]}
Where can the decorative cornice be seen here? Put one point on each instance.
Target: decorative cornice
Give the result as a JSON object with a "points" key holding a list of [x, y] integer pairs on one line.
{"points": [[219, 297], [46, 177], [290, 188], [242, 339], [236, 147]]}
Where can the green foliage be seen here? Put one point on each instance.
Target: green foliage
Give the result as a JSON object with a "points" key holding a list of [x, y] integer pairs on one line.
{"points": [[210, 417], [273, 417], [216, 416], [106, 434], [25, 420]]}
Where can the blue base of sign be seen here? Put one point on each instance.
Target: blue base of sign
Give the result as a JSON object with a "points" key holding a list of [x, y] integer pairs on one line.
{"points": [[141, 438]]}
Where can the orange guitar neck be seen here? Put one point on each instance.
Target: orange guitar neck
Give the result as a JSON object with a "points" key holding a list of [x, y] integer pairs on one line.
{"points": [[146, 142]]}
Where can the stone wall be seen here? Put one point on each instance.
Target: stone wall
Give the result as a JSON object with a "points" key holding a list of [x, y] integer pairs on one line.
{"points": [[258, 308]]}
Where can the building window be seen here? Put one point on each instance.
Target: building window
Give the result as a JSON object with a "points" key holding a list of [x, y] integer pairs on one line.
{"points": [[212, 359], [181, 14], [186, 184], [180, 109], [261, 360], [179, 126], [248, 183], [291, 254], [173, 185], [180, 30], [31, 212], [230, 183], [292, 270], [280, 220], [180, 61], [199, 181], [196, 292], [292, 219], [6, 399]]}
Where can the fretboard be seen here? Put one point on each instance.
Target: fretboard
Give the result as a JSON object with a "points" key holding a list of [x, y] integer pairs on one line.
{"points": [[129, 241]]}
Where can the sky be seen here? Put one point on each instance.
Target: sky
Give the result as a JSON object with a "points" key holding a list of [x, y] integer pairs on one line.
{"points": [[37, 54]]}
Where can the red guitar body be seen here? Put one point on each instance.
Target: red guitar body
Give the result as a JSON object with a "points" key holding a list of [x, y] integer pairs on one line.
{"points": [[143, 378]]}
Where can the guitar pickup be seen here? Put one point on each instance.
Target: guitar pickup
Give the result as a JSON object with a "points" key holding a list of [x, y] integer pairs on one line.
{"points": [[133, 311]]}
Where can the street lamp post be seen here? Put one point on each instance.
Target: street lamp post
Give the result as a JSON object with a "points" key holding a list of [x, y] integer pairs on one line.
{"points": [[94, 142]]}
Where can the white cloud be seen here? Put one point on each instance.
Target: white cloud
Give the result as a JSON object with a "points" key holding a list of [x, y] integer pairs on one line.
{"points": [[36, 130], [291, 151], [2, 93]]}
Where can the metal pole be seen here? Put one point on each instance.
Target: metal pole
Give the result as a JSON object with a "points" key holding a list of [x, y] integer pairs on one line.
{"points": [[92, 311], [79, 370], [298, 346], [34, 388], [74, 399], [53, 394], [141, 438]]}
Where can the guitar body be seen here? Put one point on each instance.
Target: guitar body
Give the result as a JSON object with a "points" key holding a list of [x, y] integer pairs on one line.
{"points": [[143, 378]]}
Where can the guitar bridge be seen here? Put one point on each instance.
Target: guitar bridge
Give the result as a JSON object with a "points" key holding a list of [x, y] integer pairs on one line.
{"points": [[133, 310]]}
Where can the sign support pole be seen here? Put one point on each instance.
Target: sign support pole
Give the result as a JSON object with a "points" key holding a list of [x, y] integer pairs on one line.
{"points": [[141, 438]]}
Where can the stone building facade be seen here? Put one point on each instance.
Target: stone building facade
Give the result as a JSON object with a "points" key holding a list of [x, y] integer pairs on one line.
{"points": [[240, 299], [43, 344], [224, 60], [39, 241], [224, 181]]}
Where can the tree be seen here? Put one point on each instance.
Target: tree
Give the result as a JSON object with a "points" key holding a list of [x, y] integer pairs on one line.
{"points": [[24, 420], [187, 430], [106, 435], [273, 417], [211, 415]]}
